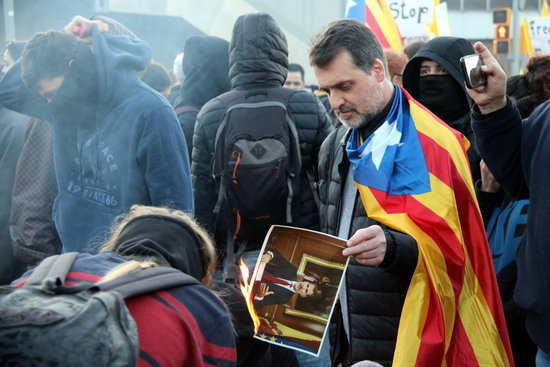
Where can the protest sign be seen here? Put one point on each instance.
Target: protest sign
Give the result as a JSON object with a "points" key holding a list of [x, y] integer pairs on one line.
{"points": [[537, 34]]}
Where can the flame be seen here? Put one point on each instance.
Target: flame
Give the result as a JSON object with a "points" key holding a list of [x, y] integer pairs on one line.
{"points": [[246, 289]]}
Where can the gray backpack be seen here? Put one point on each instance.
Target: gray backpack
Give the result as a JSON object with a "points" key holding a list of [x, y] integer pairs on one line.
{"points": [[45, 323]]}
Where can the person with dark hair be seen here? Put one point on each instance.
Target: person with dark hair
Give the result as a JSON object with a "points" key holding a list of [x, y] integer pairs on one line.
{"points": [[295, 77], [532, 88], [156, 76], [11, 55], [258, 61], [205, 66], [389, 179], [181, 326], [396, 65], [434, 78], [506, 217], [117, 142], [412, 48], [515, 151]]}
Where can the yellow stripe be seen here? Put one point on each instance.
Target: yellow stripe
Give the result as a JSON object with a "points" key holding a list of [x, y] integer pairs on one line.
{"points": [[474, 310], [443, 137]]}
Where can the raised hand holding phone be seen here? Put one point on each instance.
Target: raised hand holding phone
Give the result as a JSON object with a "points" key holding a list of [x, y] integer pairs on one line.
{"points": [[492, 96], [471, 68]]}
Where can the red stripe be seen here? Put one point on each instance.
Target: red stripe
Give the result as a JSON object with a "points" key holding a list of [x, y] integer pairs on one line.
{"points": [[77, 276], [375, 27], [73, 278], [430, 352], [460, 349], [212, 350]]}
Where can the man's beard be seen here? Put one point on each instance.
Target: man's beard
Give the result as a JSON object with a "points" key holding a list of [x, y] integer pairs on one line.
{"points": [[371, 104], [356, 120]]}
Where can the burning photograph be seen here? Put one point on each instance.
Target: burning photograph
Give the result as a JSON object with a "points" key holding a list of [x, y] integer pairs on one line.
{"points": [[294, 287]]}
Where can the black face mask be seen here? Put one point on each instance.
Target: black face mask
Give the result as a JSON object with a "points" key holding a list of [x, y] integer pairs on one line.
{"points": [[76, 98], [442, 95]]}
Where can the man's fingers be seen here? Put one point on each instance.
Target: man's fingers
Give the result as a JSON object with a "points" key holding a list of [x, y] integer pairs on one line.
{"points": [[364, 234]]}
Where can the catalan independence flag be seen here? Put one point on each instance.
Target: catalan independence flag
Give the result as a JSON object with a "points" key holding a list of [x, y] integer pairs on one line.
{"points": [[376, 14], [413, 175]]}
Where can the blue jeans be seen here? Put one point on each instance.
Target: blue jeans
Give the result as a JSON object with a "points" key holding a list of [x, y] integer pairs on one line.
{"points": [[307, 360], [543, 359]]}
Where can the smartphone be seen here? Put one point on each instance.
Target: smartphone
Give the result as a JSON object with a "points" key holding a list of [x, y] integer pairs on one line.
{"points": [[471, 68]]}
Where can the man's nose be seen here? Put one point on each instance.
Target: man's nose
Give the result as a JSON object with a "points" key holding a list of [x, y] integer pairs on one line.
{"points": [[336, 100]]}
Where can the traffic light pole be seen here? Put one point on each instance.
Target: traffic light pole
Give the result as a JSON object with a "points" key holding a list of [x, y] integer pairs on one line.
{"points": [[515, 37]]}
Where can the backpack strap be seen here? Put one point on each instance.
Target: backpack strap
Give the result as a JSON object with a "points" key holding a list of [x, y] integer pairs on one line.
{"points": [[55, 266], [183, 109], [146, 281]]}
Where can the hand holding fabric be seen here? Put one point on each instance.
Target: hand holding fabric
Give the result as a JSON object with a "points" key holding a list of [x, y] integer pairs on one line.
{"points": [[81, 28], [368, 246]]}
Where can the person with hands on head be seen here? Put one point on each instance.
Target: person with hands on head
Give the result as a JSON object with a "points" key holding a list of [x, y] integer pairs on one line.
{"points": [[516, 152], [116, 141], [81, 28]]}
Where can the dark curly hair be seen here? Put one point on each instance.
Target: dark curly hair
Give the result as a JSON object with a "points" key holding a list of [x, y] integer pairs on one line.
{"points": [[538, 77], [47, 56]]}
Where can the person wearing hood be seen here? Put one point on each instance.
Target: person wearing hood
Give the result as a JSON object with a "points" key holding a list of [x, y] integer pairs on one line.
{"points": [[258, 60], [205, 67], [434, 78], [180, 326], [116, 141]]}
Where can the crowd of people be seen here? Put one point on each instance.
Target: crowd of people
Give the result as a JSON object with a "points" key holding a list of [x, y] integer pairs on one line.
{"points": [[439, 190]]}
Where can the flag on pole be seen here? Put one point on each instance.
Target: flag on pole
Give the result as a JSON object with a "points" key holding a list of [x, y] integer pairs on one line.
{"points": [[376, 14], [413, 175], [545, 9]]}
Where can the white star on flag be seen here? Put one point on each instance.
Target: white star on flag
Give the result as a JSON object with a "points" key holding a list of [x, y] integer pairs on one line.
{"points": [[384, 137]]}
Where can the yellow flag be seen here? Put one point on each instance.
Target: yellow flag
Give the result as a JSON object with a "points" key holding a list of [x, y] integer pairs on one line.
{"points": [[545, 9]]}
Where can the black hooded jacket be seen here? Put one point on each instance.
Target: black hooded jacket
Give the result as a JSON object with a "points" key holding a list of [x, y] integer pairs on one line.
{"points": [[447, 51], [205, 66], [258, 59]]}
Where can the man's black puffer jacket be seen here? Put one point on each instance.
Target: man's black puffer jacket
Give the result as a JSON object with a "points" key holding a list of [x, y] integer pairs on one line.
{"points": [[258, 60], [375, 295]]}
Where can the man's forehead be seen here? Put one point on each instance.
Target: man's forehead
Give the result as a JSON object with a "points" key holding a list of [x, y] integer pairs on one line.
{"points": [[340, 70], [294, 75], [428, 62]]}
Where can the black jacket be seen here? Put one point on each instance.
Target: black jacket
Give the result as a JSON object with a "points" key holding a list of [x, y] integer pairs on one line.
{"points": [[375, 295], [517, 154], [447, 51], [12, 136], [258, 59]]}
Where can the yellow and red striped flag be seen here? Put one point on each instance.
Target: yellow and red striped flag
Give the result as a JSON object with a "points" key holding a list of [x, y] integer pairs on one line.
{"points": [[376, 14], [413, 175]]}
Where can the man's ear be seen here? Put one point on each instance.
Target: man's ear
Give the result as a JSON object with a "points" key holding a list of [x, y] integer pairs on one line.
{"points": [[378, 70]]}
